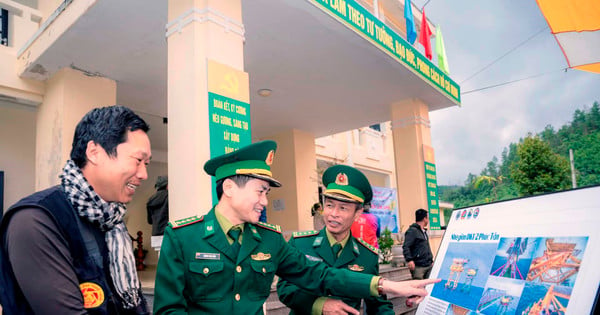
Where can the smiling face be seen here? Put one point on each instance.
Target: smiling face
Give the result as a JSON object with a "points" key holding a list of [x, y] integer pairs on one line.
{"points": [[339, 216], [247, 201], [116, 178]]}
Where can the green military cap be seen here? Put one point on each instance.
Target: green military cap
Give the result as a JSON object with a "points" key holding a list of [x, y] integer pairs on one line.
{"points": [[253, 160], [346, 183]]}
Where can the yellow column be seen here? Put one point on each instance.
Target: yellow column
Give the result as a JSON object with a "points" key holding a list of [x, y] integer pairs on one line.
{"points": [[198, 31], [70, 94], [410, 131], [295, 165]]}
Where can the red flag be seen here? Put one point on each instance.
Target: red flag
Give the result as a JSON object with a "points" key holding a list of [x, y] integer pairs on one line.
{"points": [[425, 35]]}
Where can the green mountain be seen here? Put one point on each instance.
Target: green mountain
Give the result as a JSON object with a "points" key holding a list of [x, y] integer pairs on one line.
{"points": [[536, 164]]}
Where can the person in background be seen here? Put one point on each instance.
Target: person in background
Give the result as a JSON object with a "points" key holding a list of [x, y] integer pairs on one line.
{"points": [[224, 262], [317, 213], [66, 250], [347, 191], [263, 215], [366, 227], [157, 209], [417, 251]]}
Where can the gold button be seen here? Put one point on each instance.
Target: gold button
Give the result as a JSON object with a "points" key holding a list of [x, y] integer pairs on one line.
{"points": [[237, 296], [205, 270], [264, 270], [238, 268]]}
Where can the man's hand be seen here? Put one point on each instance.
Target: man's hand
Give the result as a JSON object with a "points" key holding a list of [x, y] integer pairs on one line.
{"points": [[413, 289], [335, 307], [411, 265]]}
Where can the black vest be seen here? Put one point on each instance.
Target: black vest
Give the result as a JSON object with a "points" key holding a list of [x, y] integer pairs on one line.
{"points": [[91, 272]]}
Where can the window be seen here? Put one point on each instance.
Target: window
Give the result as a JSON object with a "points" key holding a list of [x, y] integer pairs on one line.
{"points": [[376, 127], [4, 27]]}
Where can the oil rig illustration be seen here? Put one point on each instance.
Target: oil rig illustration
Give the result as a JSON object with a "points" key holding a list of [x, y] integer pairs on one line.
{"points": [[456, 269], [471, 273], [516, 248], [556, 265], [549, 304], [493, 297]]}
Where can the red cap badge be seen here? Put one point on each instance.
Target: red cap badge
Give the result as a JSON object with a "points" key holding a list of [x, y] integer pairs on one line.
{"points": [[341, 179]]}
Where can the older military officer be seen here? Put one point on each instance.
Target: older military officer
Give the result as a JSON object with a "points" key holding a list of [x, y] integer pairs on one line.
{"points": [[347, 190], [224, 262]]}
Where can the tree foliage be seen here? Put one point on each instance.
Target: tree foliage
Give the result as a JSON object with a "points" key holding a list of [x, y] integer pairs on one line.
{"points": [[538, 169], [582, 135]]}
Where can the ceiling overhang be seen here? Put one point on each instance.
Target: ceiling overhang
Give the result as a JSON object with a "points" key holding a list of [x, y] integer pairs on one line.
{"points": [[325, 78]]}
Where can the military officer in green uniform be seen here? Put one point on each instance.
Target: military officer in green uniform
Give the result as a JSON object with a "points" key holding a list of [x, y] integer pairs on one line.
{"points": [[347, 190], [224, 262]]}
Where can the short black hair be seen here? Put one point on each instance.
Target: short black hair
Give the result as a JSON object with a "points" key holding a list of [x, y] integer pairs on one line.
{"points": [[239, 180], [106, 126], [420, 214]]}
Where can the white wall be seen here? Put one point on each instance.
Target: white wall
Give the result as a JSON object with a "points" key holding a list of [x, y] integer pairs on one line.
{"points": [[17, 151]]}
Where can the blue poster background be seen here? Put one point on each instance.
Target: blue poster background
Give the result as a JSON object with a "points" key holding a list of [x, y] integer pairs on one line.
{"points": [[385, 206]]}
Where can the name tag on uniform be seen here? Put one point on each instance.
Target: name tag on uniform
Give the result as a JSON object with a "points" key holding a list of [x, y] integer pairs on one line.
{"points": [[209, 256], [313, 258]]}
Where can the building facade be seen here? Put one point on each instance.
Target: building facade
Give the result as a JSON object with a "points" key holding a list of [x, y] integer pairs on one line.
{"points": [[307, 70]]}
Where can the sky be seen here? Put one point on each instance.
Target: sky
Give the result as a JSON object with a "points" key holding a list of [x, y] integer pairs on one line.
{"points": [[475, 34]]}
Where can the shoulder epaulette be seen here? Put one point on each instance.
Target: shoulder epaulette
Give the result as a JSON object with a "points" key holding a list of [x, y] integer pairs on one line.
{"points": [[368, 246], [304, 233], [187, 221], [268, 226]]}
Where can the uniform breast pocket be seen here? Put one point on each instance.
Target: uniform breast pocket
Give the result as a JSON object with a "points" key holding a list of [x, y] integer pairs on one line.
{"points": [[205, 279], [262, 274]]}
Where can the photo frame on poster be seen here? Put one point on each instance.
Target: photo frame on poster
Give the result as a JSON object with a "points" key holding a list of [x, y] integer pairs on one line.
{"points": [[533, 255]]}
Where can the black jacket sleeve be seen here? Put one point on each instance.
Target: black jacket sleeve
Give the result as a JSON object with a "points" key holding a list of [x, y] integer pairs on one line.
{"points": [[42, 264]]}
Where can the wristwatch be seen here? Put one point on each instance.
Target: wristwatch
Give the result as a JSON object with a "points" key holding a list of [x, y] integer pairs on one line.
{"points": [[380, 286]]}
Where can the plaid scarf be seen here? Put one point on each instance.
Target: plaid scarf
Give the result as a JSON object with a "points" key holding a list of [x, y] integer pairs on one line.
{"points": [[108, 216]]}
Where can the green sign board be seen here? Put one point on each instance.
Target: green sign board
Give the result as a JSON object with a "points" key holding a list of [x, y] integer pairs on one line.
{"points": [[229, 125], [432, 196], [372, 29]]}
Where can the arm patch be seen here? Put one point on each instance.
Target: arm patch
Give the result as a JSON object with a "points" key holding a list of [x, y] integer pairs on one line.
{"points": [[268, 226], [187, 221]]}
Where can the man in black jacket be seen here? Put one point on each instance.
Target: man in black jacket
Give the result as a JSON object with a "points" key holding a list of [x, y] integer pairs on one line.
{"points": [[416, 247], [158, 207], [66, 249]]}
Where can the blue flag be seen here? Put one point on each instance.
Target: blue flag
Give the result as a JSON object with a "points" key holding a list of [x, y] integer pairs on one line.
{"points": [[411, 33]]}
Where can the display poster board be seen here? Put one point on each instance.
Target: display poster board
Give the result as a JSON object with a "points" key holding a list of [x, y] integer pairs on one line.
{"points": [[535, 255], [385, 207]]}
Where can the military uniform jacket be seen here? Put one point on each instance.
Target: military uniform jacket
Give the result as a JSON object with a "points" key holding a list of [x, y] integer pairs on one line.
{"points": [[356, 256], [197, 273]]}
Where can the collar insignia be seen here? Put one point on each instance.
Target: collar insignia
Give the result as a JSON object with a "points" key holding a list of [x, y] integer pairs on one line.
{"points": [[261, 256], [341, 179], [356, 267], [318, 241]]}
